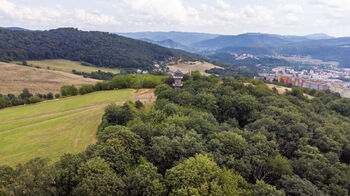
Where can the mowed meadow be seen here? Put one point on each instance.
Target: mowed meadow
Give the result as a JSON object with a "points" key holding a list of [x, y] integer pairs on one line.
{"points": [[52, 128]]}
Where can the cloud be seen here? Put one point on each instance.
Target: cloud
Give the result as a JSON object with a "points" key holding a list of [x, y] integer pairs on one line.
{"points": [[56, 15], [222, 4], [94, 18], [291, 8]]}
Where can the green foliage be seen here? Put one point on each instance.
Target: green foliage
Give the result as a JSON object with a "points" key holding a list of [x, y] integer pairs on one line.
{"points": [[95, 177], [139, 104], [135, 81], [260, 188], [69, 90], [118, 156], [34, 99], [254, 141], [86, 88], [201, 176], [294, 185], [118, 115], [98, 48], [145, 180], [32, 178]]}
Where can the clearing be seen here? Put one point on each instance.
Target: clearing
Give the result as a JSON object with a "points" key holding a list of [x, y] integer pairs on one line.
{"points": [[67, 66], [14, 78], [282, 89], [52, 128], [189, 66]]}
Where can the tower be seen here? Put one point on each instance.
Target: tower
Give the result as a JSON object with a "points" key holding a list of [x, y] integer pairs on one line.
{"points": [[177, 75]]}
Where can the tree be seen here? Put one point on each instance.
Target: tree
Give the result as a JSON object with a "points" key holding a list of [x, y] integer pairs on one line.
{"points": [[131, 141], [118, 115], [7, 178], [86, 88], [294, 185], [145, 180], [173, 144], [95, 178], [118, 156], [200, 175], [260, 188], [226, 146], [66, 173], [69, 90], [25, 95], [33, 178]]}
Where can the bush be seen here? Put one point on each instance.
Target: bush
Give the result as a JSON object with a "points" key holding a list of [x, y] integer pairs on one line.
{"points": [[138, 104], [34, 99], [86, 88], [69, 90]]}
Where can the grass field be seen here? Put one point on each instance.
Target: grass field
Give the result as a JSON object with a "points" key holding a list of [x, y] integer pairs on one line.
{"points": [[14, 78], [67, 66], [186, 67], [52, 128]]}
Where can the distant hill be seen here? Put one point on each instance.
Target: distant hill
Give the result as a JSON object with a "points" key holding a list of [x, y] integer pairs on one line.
{"points": [[318, 36], [247, 40], [15, 28], [319, 46], [184, 38], [98, 48], [168, 43]]}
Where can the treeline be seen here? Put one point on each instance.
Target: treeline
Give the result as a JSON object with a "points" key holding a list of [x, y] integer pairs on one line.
{"points": [[98, 48], [98, 75], [118, 82], [24, 98], [212, 137]]}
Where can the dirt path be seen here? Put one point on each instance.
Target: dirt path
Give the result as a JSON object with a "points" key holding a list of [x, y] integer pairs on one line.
{"points": [[144, 95]]}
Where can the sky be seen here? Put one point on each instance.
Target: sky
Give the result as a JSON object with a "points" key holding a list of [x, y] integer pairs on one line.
{"points": [[287, 17]]}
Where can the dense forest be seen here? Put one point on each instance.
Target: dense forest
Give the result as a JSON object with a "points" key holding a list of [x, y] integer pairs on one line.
{"points": [[98, 48], [212, 137]]}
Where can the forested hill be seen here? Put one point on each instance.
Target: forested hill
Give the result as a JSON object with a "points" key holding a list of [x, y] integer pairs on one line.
{"points": [[98, 48]]}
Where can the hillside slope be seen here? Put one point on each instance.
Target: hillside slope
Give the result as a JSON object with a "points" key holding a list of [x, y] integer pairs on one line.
{"points": [[98, 48], [13, 78]]}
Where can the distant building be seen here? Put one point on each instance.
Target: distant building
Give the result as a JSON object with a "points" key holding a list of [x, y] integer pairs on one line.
{"points": [[177, 75]]}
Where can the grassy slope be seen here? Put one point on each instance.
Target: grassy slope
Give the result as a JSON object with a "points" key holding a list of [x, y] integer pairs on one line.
{"points": [[192, 66], [53, 128], [68, 66], [13, 78]]}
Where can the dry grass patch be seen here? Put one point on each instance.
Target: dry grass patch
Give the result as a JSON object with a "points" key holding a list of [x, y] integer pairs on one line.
{"points": [[282, 89], [188, 66], [67, 66], [14, 78]]}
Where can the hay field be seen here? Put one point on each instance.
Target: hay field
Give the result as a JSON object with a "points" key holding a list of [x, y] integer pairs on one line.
{"points": [[188, 66], [67, 66], [14, 78]]}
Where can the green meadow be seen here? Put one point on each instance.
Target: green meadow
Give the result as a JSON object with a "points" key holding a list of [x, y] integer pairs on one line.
{"points": [[52, 128]]}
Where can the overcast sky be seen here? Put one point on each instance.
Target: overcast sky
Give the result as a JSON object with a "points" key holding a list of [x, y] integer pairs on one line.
{"points": [[289, 17]]}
